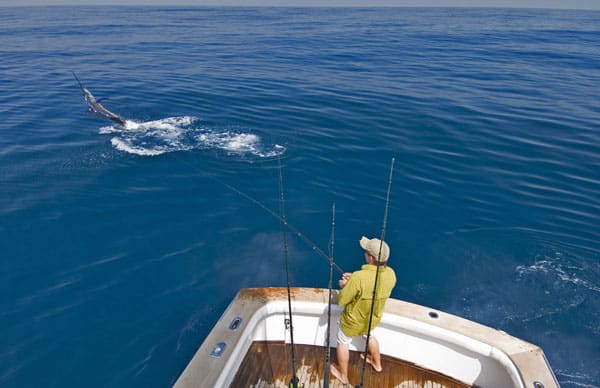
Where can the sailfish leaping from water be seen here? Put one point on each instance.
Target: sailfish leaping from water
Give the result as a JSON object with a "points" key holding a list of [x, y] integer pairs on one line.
{"points": [[96, 107]]}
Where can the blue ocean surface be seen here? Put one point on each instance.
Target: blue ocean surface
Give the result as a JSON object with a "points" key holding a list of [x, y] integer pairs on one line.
{"points": [[120, 247]]}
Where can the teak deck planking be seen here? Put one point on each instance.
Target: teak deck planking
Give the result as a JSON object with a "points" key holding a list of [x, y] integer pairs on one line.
{"points": [[268, 365]]}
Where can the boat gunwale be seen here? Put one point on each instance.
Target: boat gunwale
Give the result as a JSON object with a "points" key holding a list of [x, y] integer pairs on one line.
{"points": [[526, 361]]}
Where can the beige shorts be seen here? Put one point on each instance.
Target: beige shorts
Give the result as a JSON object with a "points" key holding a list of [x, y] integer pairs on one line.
{"points": [[343, 339]]}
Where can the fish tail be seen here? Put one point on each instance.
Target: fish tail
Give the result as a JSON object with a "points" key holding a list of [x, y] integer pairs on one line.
{"points": [[78, 81]]}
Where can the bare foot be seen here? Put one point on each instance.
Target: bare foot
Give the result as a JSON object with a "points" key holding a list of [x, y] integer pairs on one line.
{"points": [[370, 362], [338, 375]]}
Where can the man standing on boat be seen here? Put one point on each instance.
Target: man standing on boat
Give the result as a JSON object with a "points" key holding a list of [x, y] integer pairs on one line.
{"points": [[356, 295]]}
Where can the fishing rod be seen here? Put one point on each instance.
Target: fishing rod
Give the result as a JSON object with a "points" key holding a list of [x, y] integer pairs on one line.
{"points": [[328, 340], [283, 221], [383, 228], [294, 382]]}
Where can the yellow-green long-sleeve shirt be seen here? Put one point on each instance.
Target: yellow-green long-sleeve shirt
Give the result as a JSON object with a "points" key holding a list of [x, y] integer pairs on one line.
{"points": [[357, 295]]}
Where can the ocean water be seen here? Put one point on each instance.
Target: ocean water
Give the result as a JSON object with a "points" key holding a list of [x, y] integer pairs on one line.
{"points": [[121, 247]]}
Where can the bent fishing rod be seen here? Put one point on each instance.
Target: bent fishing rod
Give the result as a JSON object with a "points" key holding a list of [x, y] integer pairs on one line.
{"points": [[283, 221]]}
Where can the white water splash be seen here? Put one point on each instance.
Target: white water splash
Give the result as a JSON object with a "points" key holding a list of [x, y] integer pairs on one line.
{"points": [[172, 134], [131, 149], [239, 143]]}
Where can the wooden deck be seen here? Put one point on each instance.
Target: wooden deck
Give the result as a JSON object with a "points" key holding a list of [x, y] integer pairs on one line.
{"points": [[268, 365]]}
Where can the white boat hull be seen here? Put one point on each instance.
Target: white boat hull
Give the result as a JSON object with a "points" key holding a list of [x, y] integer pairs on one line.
{"points": [[455, 347]]}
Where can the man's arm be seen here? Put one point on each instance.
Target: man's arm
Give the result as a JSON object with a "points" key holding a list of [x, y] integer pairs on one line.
{"points": [[345, 277], [348, 291]]}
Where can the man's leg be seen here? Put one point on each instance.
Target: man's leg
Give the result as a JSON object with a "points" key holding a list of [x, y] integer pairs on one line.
{"points": [[375, 357], [343, 355]]}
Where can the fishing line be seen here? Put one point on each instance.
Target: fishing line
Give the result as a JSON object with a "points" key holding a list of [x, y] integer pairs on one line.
{"points": [[292, 228], [294, 380], [383, 228], [327, 341]]}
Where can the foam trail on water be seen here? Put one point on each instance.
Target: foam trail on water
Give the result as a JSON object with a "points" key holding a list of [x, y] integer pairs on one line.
{"points": [[555, 269], [125, 147], [239, 143], [183, 133]]}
